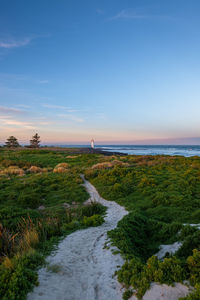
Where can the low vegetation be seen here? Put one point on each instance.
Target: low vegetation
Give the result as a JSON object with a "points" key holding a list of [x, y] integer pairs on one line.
{"points": [[38, 207], [163, 195], [41, 200]]}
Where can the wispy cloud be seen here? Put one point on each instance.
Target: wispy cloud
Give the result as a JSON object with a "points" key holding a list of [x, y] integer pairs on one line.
{"points": [[71, 118], [5, 117], [126, 14], [13, 43], [10, 110], [52, 106], [43, 123], [12, 122], [43, 81], [130, 14], [23, 105], [9, 43]]}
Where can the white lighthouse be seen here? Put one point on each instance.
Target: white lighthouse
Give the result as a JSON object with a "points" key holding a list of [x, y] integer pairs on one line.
{"points": [[92, 143]]}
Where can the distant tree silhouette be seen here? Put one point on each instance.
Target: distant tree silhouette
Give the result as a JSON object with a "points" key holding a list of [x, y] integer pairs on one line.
{"points": [[12, 142], [35, 142]]}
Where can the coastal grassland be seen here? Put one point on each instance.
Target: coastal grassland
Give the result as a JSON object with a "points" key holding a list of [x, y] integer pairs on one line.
{"points": [[162, 194], [39, 205], [45, 157]]}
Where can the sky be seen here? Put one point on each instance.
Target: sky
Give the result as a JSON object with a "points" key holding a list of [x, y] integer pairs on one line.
{"points": [[118, 71]]}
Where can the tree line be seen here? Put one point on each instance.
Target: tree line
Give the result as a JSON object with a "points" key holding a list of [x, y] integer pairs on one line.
{"points": [[12, 142]]}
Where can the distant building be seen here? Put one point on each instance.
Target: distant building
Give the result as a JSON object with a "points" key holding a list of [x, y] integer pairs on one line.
{"points": [[92, 143]]}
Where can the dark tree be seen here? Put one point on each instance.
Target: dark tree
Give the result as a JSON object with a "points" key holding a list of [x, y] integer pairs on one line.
{"points": [[35, 142], [12, 142]]}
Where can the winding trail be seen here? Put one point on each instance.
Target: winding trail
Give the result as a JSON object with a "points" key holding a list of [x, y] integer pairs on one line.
{"points": [[86, 268]]}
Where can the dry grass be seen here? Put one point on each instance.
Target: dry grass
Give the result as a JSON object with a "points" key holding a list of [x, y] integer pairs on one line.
{"points": [[109, 165], [72, 156], [123, 157], [29, 236], [7, 241], [2, 174], [34, 169], [29, 240], [46, 170], [12, 170], [60, 170], [103, 165], [119, 163], [62, 165], [104, 158], [7, 263]]}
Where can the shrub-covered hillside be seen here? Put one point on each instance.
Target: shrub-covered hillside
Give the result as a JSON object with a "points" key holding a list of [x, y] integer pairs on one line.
{"points": [[163, 195], [41, 200]]}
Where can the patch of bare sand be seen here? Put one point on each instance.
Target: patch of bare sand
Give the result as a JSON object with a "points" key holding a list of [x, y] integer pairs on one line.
{"points": [[164, 292]]}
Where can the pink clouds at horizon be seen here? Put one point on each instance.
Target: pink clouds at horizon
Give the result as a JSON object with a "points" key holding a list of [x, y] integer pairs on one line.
{"points": [[100, 139]]}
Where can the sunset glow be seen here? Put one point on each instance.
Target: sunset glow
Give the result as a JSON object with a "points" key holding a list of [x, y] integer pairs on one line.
{"points": [[120, 72]]}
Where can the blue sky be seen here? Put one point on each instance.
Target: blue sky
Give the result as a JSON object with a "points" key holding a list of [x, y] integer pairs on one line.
{"points": [[118, 71]]}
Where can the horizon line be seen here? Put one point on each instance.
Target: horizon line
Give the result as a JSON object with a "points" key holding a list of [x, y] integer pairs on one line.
{"points": [[102, 144]]}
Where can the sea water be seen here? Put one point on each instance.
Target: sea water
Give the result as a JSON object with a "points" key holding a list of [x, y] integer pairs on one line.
{"points": [[181, 150]]}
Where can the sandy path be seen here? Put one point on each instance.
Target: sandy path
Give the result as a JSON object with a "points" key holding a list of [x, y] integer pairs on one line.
{"points": [[86, 269]]}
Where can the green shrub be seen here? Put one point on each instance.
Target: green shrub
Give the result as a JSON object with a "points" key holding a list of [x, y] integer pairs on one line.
{"points": [[127, 294], [192, 241], [94, 220], [71, 226], [194, 267], [195, 295], [16, 282], [92, 209], [139, 276], [169, 271], [186, 231], [137, 235]]}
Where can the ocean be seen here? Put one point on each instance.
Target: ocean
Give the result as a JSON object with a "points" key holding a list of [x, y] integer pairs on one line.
{"points": [[182, 150]]}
